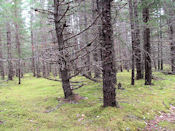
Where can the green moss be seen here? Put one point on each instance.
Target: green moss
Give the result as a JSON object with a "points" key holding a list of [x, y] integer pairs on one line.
{"points": [[22, 107]]}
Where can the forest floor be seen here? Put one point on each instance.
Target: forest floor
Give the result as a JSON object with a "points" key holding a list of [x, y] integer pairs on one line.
{"points": [[35, 105]]}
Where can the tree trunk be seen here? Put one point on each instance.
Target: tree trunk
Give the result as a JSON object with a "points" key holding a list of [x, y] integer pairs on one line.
{"points": [[63, 67], [169, 10], [9, 52], [96, 54], [38, 71], [1, 61], [158, 45], [131, 12], [108, 64], [23, 65], [154, 59], [147, 45], [138, 55], [161, 47], [120, 57], [172, 48], [43, 69], [86, 39], [18, 45], [33, 48]]}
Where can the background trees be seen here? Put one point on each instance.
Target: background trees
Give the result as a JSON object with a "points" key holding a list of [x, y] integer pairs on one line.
{"points": [[63, 39]]}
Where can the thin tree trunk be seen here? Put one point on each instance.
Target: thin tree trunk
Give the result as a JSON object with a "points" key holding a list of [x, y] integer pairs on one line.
{"points": [[44, 39], [120, 57], [172, 48], [23, 65], [1, 62], [138, 55], [38, 75], [9, 52], [18, 46], [108, 64], [131, 12], [154, 59], [147, 45], [96, 54], [33, 47], [158, 45], [86, 38], [161, 47]]}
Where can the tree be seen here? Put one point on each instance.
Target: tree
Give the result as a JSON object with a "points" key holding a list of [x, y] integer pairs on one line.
{"points": [[18, 44], [169, 10], [59, 27], [131, 12], [9, 52], [147, 44], [138, 57], [32, 43], [135, 37], [1, 61], [96, 54], [86, 38], [161, 46], [108, 64]]}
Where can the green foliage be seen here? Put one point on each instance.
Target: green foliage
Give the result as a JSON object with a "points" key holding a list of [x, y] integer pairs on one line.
{"points": [[23, 107]]}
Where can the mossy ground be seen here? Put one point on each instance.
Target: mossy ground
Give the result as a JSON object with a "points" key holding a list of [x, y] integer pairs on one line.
{"points": [[22, 107]]}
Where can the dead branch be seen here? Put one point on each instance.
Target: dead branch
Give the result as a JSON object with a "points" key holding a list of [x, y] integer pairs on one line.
{"points": [[90, 78], [78, 87]]}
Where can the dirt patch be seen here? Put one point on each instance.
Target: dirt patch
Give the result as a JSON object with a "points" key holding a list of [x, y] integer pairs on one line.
{"points": [[169, 117], [157, 78], [75, 98], [168, 73], [1, 122]]}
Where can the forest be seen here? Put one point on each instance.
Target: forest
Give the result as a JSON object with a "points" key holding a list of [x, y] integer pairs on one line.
{"points": [[87, 65]]}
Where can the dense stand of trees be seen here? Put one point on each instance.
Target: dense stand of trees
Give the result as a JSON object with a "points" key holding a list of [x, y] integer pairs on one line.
{"points": [[92, 38]]}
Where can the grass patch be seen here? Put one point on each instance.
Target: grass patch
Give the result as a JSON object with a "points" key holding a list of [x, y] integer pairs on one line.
{"points": [[167, 125], [22, 107]]}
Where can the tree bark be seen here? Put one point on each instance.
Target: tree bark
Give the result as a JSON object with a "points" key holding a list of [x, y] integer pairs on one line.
{"points": [[33, 47], [161, 46], [147, 45], [59, 27], [169, 10], [18, 45], [138, 55], [120, 57], [96, 54], [172, 44], [131, 12], [9, 52], [86, 38], [108, 64], [38, 71], [1, 62], [158, 46]]}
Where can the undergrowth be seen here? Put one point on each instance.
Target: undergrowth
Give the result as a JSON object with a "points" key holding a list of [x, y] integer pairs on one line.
{"points": [[23, 107]]}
